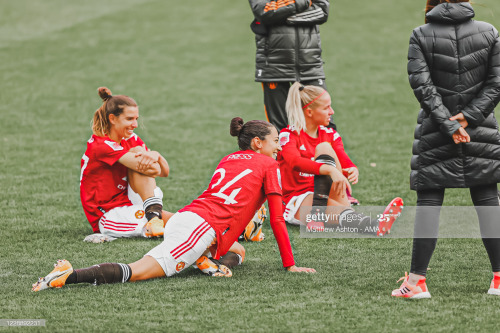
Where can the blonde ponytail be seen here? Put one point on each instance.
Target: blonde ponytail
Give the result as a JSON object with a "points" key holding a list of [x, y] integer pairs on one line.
{"points": [[298, 97]]}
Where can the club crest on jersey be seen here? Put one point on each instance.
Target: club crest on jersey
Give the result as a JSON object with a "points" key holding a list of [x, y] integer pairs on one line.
{"points": [[139, 214], [180, 266], [114, 145], [284, 138]]}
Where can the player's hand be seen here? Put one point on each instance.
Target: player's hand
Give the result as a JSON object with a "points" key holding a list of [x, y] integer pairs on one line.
{"points": [[352, 174], [300, 269], [461, 119], [340, 183], [147, 158], [461, 136]]}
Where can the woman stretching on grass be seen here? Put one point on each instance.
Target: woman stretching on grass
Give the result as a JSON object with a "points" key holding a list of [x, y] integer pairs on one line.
{"points": [[240, 185], [117, 183], [314, 166]]}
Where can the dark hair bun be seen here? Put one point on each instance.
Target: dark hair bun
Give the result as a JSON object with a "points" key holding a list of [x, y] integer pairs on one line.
{"points": [[236, 126], [104, 93]]}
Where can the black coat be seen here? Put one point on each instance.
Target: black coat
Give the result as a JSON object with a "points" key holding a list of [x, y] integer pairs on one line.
{"points": [[287, 39], [453, 67]]}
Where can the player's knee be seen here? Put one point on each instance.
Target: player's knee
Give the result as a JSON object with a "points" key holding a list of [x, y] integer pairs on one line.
{"points": [[324, 148], [142, 184]]}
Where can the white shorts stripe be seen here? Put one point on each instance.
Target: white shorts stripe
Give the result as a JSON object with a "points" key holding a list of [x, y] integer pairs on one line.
{"points": [[192, 240], [191, 245], [125, 221], [187, 235], [202, 224], [118, 223]]}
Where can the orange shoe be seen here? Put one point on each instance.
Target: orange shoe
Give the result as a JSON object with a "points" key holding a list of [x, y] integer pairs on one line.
{"points": [[154, 228], [389, 216], [253, 231], [408, 291], [495, 286], [207, 266], [56, 278]]}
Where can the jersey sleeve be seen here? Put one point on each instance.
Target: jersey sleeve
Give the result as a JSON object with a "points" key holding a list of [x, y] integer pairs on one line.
{"points": [[272, 179], [338, 147], [134, 141], [279, 229], [109, 152], [291, 154], [139, 142]]}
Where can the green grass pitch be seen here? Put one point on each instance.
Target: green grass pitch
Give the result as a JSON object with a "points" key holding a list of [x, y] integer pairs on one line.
{"points": [[190, 66]]}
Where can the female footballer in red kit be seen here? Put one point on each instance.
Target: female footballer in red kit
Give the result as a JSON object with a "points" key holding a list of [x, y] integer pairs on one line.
{"points": [[211, 223], [315, 168], [117, 182]]}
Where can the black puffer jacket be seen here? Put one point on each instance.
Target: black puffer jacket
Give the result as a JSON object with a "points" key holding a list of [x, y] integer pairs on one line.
{"points": [[288, 40], [453, 67]]}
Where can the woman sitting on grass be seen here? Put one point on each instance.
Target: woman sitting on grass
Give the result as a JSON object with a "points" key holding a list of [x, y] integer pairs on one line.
{"points": [[314, 166], [212, 223], [117, 183]]}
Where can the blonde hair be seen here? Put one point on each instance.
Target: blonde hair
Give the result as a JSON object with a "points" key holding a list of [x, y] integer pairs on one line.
{"points": [[111, 105], [298, 97]]}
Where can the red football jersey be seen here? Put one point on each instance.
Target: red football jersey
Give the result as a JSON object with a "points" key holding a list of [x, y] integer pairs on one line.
{"points": [[237, 190], [103, 180], [296, 159]]}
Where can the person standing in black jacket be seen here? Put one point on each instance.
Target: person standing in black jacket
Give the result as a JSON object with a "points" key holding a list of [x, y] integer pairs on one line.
{"points": [[454, 71], [288, 49]]}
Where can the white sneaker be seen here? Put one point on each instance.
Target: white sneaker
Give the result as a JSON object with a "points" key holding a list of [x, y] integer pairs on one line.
{"points": [[98, 238]]}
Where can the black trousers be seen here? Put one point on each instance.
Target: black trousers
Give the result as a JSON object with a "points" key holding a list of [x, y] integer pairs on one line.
{"points": [[429, 204], [275, 94]]}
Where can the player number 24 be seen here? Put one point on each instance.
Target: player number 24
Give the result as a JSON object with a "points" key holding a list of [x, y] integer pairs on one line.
{"points": [[229, 198]]}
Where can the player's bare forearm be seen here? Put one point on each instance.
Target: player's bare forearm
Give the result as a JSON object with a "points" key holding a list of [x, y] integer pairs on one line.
{"points": [[133, 162], [165, 169]]}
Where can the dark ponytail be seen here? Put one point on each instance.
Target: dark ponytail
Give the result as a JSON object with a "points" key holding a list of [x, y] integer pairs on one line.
{"points": [[249, 130]]}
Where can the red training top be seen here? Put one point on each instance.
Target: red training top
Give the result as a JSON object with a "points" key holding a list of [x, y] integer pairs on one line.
{"points": [[296, 159], [238, 188], [103, 180]]}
